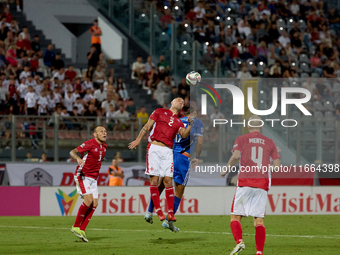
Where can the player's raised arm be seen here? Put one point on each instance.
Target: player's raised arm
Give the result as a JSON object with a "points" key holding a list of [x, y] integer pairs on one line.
{"points": [[74, 155], [134, 144], [186, 132], [232, 161]]}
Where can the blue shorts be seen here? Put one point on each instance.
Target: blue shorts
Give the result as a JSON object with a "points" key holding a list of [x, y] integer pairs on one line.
{"points": [[181, 168]]}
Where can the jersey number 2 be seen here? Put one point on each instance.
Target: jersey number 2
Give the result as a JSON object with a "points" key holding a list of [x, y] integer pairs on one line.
{"points": [[171, 121], [258, 159]]}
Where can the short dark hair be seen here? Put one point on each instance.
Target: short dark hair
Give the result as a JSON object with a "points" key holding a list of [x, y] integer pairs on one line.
{"points": [[189, 109], [95, 20]]}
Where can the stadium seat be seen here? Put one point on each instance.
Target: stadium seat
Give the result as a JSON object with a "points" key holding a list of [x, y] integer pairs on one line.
{"points": [[229, 21], [290, 24], [250, 62], [317, 106], [83, 135], [304, 67], [261, 66], [329, 114], [318, 115], [304, 75], [84, 70], [315, 75], [77, 70], [302, 25], [304, 59], [312, 49], [281, 23], [296, 115], [62, 135], [328, 106]]}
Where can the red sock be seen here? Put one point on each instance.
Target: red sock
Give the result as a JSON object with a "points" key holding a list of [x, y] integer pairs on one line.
{"points": [[260, 237], [87, 218], [155, 196], [170, 198], [236, 229], [81, 215]]}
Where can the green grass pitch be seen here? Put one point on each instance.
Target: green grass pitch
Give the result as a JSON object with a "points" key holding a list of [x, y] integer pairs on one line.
{"points": [[115, 235]]}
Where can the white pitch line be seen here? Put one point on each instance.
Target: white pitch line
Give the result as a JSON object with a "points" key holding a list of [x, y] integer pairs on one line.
{"points": [[188, 232]]}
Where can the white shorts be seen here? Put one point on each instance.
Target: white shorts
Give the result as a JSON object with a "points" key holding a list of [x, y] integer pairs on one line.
{"points": [[249, 201], [86, 185], [159, 161]]}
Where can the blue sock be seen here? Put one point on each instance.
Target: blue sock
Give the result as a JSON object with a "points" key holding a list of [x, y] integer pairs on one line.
{"points": [[151, 206], [176, 204]]}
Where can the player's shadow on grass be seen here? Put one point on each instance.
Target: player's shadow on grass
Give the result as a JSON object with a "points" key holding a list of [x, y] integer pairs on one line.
{"points": [[174, 240], [98, 238]]}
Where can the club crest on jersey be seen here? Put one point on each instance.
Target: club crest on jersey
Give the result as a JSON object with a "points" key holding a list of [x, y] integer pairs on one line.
{"points": [[95, 149], [82, 145], [165, 113]]}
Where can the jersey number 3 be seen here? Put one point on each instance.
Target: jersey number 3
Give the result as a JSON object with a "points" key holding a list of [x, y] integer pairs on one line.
{"points": [[258, 159]]}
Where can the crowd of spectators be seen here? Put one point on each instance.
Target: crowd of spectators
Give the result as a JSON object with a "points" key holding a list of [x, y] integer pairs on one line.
{"points": [[273, 33], [156, 79], [35, 82]]}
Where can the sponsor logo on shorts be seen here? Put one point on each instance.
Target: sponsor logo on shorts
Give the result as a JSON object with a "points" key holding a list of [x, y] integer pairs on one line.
{"points": [[66, 202]]}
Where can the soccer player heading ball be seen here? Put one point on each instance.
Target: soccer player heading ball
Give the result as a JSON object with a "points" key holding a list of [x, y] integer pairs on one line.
{"points": [[252, 187], [159, 156], [86, 178]]}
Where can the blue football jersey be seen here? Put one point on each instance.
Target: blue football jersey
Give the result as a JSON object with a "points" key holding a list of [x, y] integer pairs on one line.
{"points": [[187, 144]]}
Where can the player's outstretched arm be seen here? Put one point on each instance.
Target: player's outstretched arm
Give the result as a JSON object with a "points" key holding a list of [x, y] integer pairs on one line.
{"points": [[134, 144], [74, 155], [232, 161], [186, 132], [199, 147], [276, 165]]}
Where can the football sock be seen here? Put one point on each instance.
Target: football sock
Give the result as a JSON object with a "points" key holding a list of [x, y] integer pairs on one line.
{"points": [[236, 229], [176, 204], [260, 237], [151, 205], [170, 196], [81, 215], [87, 218], [155, 196]]}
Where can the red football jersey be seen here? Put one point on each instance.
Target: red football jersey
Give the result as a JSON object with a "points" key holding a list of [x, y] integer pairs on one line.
{"points": [[93, 158], [166, 126], [256, 151]]}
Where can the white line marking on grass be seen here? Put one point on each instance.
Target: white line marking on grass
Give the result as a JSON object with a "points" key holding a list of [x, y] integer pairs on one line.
{"points": [[188, 232]]}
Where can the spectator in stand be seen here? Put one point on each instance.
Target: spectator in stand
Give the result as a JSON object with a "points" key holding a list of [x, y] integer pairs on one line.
{"points": [[210, 32], [316, 63], [28, 157], [243, 26], [244, 74], [88, 96], [284, 39], [96, 33], [60, 75], [163, 63], [131, 108], [311, 87], [105, 106], [199, 10], [49, 56], [80, 106], [210, 14], [36, 45], [34, 63], [3, 32], [30, 101], [323, 92], [70, 73], [58, 63], [77, 86], [151, 80], [138, 70], [87, 84], [161, 73], [99, 95], [43, 158], [25, 73], [262, 52], [163, 91], [92, 57], [273, 33], [42, 104], [199, 31], [183, 89], [329, 52], [208, 59], [253, 71], [98, 77], [122, 119], [272, 57], [143, 115], [149, 64], [174, 93], [11, 56], [334, 21], [121, 89], [116, 174], [91, 112], [276, 68], [216, 115], [166, 20], [110, 115], [328, 70]]}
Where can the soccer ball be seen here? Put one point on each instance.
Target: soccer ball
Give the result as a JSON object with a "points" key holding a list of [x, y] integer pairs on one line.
{"points": [[193, 78]]}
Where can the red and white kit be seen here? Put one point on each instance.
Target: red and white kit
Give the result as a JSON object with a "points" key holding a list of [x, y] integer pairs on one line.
{"points": [[86, 176], [159, 159], [257, 151]]}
